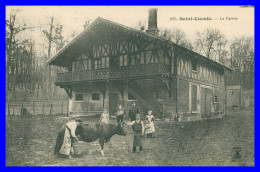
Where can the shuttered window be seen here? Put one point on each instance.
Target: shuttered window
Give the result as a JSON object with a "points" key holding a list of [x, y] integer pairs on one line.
{"points": [[194, 97]]}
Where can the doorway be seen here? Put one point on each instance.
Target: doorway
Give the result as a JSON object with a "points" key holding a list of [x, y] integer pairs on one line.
{"points": [[206, 98]]}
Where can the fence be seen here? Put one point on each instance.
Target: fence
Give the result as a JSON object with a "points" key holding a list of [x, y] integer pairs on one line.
{"points": [[37, 108]]}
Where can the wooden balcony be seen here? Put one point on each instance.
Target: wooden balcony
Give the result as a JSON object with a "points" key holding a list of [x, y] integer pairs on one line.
{"points": [[134, 71]]}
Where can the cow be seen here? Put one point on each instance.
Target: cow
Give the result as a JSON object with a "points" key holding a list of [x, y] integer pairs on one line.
{"points": [[103, 132]]}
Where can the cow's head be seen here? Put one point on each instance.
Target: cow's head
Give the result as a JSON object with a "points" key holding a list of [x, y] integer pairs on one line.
{"points": [[120, 130]]}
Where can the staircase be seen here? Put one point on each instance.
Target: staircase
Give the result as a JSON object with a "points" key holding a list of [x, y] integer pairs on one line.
{"points": [[145, 98]]}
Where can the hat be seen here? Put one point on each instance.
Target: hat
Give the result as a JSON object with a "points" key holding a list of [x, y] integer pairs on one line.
{"points": [[78, 120]]}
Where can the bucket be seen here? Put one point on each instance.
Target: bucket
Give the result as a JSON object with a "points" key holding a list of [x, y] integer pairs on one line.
{"points": [[77, 149]]}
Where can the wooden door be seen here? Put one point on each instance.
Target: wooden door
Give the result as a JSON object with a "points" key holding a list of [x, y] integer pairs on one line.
{"points": [[202, 102], [205, 104], [113, 101]]}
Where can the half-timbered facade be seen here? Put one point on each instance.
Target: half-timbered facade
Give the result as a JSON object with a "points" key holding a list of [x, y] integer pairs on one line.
{"points": [[110, 63]]}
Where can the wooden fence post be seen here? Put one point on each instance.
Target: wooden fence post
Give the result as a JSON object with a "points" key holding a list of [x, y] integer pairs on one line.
{"points": [[22, 109], [51, 109], [62, 108], [33, 107], [8, 110], [43, 108]]}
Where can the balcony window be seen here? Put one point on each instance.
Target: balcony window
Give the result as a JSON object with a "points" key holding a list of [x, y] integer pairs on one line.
{"points": [[107, 61], [142, 57], [89, 65], [148, 56], [123, 60], [97, 64]]}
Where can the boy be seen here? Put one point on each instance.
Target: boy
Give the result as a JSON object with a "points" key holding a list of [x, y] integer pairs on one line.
{"points": [[138, 128]]}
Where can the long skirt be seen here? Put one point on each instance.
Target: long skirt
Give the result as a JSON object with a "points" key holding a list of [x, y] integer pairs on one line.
{"points": [[137, 140], [64, 142]]}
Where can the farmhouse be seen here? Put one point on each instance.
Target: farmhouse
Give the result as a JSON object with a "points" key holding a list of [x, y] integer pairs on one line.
{"points": [[109, 63]]}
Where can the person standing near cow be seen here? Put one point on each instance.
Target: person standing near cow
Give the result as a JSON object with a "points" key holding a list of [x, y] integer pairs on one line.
{"points": [[104, 118], [133, 111], [120, 113], [66, 137], [138, 128]]}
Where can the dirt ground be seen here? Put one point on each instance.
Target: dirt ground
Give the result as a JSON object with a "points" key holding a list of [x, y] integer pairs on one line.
{"points": [[30, 142]]}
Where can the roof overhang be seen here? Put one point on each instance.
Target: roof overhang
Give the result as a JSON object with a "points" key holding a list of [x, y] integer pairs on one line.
{"points": [[102, 29]]}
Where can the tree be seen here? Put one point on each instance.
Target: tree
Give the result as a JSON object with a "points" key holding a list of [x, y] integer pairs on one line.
{"points": [[140, 25], [54, 35], [177, 36], [242, 54], [212, 44], [15, 48]]}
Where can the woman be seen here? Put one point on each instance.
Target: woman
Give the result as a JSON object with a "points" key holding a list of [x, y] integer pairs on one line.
{"points": [[66, 138]]}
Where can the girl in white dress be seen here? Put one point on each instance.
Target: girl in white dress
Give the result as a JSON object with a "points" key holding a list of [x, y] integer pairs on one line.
{"points": [[149, 126], [104, 118]]}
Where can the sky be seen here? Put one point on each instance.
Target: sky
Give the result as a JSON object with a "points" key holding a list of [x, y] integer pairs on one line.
{"points": [[237, 21]]}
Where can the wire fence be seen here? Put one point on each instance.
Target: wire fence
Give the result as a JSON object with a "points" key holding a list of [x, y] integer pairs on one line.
{"points": [[37, 108]]}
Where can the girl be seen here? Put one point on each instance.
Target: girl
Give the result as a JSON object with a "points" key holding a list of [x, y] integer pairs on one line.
{"points": [[149, 126], [120, 113], [104, 118]]}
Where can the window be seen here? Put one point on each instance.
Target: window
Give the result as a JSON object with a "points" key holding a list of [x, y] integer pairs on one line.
{"points": [[194, 65], [97, 64], [105, 62], [215, 99], [130, 97], [95, 96], [123, 60], [133, 59], [79, 97], [142, 57], [194, 98]]}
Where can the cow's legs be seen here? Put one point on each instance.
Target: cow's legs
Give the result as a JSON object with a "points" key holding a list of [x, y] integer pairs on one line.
{"points": [[101, 142]]}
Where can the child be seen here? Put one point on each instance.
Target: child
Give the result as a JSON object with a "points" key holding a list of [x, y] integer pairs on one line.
{"points": [[120, 112], [149, 126], [104, 118], [138, 128]]}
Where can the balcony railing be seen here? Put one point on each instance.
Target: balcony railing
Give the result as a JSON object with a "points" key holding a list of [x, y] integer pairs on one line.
{"points": [[143, 70]]}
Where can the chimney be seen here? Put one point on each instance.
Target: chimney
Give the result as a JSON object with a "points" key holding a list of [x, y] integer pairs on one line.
{"points": [[152, 22]]}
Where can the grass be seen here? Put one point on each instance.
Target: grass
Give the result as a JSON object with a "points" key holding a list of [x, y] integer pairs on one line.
{"points": [[30, 142]]}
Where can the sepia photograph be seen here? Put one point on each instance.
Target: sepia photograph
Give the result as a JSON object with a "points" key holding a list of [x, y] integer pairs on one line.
{"points": [[130, 86]]}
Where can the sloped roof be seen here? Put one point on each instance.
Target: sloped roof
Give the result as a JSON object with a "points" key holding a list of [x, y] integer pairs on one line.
{"points": [[132, 31]]}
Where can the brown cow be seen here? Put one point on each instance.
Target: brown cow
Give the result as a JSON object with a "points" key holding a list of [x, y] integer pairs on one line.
{"points": [[103, 132]]}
